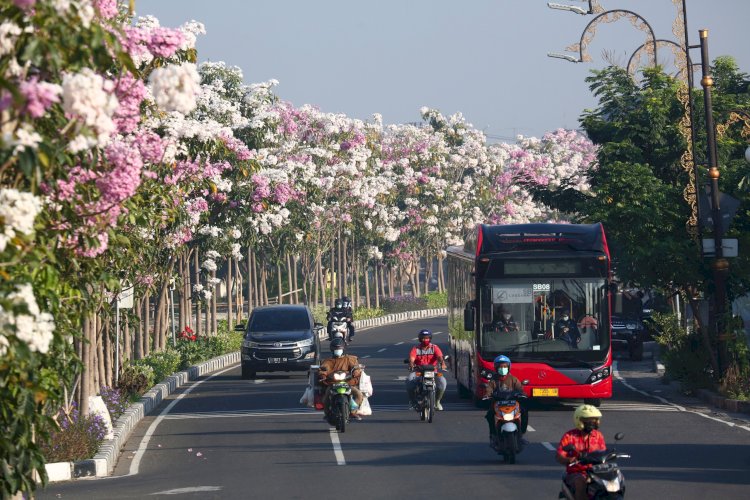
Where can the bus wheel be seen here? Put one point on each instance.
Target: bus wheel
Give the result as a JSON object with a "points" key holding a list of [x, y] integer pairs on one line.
{"points": [[593, 402]]}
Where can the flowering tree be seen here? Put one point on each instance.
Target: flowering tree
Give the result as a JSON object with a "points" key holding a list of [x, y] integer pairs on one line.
{"points": [[123, 161]]}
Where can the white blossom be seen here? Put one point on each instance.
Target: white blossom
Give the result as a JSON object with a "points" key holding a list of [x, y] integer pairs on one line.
{"points": [[9, 33], [175, 87], [89, 98], [18, 210], [33, 327]]}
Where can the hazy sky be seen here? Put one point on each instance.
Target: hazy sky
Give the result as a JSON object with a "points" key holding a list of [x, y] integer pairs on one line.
{"points": [[484, 58]]}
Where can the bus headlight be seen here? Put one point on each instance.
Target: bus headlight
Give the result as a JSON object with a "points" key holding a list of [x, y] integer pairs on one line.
{"points": [[598, 375]]}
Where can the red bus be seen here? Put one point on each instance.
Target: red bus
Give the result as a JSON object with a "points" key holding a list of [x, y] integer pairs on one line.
{"points": [[539, 294]]}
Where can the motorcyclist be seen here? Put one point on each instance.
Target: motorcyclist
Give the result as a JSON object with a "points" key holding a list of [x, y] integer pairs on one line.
{"points": [[341, 306], [504, 382], [585, 438], [425, 353], [346, 303], [340, 362]]}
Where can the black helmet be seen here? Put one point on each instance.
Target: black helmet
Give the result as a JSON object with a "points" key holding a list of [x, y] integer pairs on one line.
{"points": [[346, 301], [337, 343], [424, 334], [337, 304]]}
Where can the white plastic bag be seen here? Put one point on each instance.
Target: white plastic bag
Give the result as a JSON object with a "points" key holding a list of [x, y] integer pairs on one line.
{"points": [[365, 385], [308, 398], [364, 408]]}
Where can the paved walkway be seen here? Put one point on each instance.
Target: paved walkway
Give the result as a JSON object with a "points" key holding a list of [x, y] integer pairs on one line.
{"points": [[642, 376]]}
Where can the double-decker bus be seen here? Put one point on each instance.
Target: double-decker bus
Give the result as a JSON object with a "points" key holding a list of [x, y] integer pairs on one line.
{"points": [[510, 290]]}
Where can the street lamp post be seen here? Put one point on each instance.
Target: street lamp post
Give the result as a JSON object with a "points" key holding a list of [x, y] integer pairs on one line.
{"points": [[720, 265]]}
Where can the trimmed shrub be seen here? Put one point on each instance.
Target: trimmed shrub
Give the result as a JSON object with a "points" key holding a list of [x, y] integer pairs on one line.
{"points": [[403, 303], [77, 438], [368, 313], [136, 378], [436, 300], [115, 400]]}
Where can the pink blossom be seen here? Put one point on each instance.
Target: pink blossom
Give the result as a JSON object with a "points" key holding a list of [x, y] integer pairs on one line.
{"points": [[24, 4], [151, 146], [130, 92], [39, 96], [83, 250], [107, 8], [164, 42], [282, 193], [122, 181]]}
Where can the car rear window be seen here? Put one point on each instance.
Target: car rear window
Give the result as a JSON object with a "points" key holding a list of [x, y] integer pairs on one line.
{"points": [[278, 321]]}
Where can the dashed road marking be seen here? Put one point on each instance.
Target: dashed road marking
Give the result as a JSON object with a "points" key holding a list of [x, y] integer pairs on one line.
{"points": [[398, 343], [381, 350], [549, 446], [337, 446]]}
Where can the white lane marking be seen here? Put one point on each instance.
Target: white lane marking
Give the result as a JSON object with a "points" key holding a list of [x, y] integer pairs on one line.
{"points": [[549, 446], [403, 377], [337, 446], [365, 357], [398, 343], [259, 381], [530, 428], [616, 373], [248, 413], [436, 333], [180, 491], [381, 350], [135, 464]]}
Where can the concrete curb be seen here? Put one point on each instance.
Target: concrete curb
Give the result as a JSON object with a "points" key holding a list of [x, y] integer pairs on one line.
{"points": [[719, 401], [711, 397], [104, 461]]}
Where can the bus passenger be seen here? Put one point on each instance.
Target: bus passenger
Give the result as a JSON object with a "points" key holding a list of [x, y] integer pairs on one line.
{"points": [[567, 330]]}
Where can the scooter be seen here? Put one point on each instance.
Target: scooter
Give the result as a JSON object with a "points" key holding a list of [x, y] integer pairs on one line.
{"points": [[338, 327], [604, 479], [340, 401], [507, 412], [426, 390]]}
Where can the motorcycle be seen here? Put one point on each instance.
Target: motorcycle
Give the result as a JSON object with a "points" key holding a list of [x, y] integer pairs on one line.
{"points": [[338, 326], [341, 403], [426, 390], [604, 479], [506, 407]]}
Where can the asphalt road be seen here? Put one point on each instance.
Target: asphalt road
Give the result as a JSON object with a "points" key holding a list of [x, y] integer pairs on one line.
{"points": [[231, 438]]}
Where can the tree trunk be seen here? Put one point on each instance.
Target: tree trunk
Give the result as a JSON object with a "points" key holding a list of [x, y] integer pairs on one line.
{"points": [[367, 286], [137, 341], [250, 280], [86, 346], [230, 290], [147, 324], [377, 290], [240, 299], [214, 303], [198, 304], [107, 347]]}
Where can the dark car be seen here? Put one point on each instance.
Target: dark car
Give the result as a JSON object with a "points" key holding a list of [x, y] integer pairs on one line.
{"points": [[280, 338], [629, 332]]}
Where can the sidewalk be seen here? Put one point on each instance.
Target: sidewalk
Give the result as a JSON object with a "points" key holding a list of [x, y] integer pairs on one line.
{"points": [[647, 377]]}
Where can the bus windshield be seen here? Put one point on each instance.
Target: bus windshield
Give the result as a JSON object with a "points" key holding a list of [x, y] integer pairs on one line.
{"points": [[544, 318]]}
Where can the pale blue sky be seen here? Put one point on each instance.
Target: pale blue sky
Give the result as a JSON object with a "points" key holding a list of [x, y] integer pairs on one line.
{"points": [[484, 58]]}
